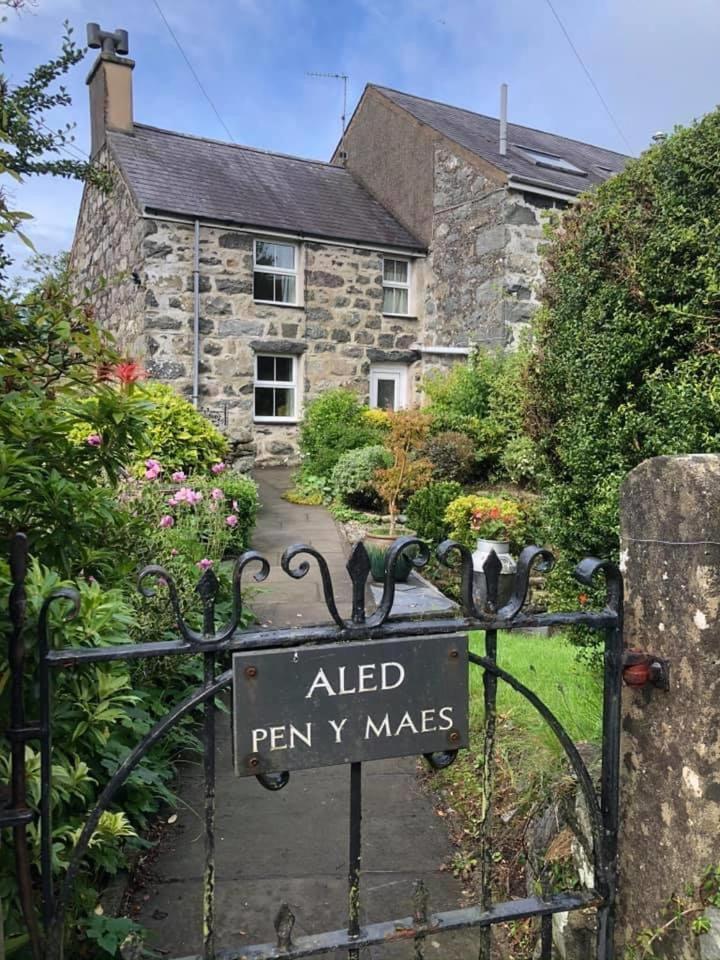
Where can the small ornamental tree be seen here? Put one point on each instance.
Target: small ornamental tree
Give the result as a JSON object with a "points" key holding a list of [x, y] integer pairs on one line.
{"points": [[408, 471], [626, 361]]}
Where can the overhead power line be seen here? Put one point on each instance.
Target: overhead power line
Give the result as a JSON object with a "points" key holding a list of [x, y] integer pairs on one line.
{"points": [[595, 87], [193, 71]]}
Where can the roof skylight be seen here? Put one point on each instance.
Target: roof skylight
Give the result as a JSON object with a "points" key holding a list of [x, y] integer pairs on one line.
{"points": [[550, 161]]}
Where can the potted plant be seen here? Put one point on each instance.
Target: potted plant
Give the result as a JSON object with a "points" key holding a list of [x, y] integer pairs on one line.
{"points": [[490, 524], [377, 557]]}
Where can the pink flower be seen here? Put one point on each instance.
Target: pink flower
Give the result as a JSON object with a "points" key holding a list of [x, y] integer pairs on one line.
{"points": [[153, 469], [204, 564], [218, 468], [94, 440], [231, 520], [217, 494], [178, 477], [186, 495], [167, 521], [235, 505], [174, 552]]}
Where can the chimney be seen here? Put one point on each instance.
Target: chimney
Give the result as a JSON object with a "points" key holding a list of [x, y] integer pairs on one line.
{"points": [[503, 119], [110, 83]]}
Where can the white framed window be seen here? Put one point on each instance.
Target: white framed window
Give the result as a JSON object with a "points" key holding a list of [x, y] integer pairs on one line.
{"points": [[275, 272], [388, 386], [276, 378], [396, 287]]}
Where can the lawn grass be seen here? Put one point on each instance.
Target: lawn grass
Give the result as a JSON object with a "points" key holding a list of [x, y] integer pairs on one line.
{"points": [[548, 666]]}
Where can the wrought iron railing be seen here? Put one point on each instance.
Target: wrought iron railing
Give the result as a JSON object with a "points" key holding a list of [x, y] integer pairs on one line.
{"points": [[47, 938]]}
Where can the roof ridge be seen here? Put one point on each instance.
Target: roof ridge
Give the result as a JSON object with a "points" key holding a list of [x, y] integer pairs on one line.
{"points": [[487, 116], [236, 146]]}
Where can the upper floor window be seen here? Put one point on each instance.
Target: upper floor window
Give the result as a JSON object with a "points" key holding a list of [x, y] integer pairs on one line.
{"points": [[275, 274], [275, 387], [396, 286]]}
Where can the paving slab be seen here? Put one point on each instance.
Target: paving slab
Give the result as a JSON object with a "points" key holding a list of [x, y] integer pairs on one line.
{"points": [[292, 845]]}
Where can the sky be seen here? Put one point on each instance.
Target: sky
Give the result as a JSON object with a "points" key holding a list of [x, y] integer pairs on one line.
{"points": [[654, 62]]}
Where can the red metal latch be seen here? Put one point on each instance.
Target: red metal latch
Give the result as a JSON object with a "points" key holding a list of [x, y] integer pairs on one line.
{"points": [[645, 669]]}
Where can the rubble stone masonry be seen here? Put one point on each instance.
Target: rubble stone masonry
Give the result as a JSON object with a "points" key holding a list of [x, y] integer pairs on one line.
{"points": [[478, 285]]}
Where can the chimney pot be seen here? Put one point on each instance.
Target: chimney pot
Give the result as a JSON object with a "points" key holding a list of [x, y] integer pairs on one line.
{"points": [[110, 85]]}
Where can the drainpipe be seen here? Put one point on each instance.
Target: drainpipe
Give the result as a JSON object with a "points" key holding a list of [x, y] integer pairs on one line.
{"points": [[196, 317]]}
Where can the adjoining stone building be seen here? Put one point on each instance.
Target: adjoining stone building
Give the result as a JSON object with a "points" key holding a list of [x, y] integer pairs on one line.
{"points": [[252, 281]]}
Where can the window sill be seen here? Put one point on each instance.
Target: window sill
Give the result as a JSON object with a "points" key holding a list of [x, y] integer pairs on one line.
{"points": [[401, 316], [282, 421], [276, 303]]}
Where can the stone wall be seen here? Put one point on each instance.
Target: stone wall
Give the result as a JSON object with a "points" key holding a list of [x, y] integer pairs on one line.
{"points": [[670, 774], [339, 330], [484, 264], [106, 250]]}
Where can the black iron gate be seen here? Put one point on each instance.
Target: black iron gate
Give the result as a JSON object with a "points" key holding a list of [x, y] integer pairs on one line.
{"points": [[47, 938]]}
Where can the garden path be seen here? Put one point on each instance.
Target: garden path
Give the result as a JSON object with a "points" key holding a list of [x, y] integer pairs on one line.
{"points": [[293, 845]]}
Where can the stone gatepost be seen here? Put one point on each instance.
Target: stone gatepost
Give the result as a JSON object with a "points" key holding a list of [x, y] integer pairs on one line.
{"points": [[670, 754]]}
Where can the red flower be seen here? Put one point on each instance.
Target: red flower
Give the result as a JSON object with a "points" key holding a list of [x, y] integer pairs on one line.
{"points": [[583, 599], [129, 372]]}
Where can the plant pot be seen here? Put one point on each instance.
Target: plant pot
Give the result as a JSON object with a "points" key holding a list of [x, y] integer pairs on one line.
{"points": [[378, 554], [507, 573]]}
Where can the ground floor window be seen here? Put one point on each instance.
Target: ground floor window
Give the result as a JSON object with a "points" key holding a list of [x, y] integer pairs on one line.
{"points": [[275, 387], [388, 386]]}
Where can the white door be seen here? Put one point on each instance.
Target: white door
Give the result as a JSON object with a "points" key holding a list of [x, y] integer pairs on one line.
{"points": [[388, 386]]}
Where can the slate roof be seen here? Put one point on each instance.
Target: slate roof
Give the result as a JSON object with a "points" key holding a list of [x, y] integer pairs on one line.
{"points": [[180, 174], [481, 135]]}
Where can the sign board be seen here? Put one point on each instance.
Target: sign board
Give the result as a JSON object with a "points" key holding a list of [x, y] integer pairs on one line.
{"points": [[304, 707]]}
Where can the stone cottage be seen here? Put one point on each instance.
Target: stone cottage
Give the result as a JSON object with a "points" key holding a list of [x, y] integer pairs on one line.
{"points": [[252, 281]]}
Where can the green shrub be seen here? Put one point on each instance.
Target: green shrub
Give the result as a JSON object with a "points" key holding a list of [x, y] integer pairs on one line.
{"points": [[353, 476], [426, 510], [483, 399], [520, 461], [458, 398], [333, 423], [452, 455], [627, 361], [178, 435]]}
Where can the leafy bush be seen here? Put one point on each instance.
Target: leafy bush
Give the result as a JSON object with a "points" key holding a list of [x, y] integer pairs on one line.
{"points": [[333, 423], [378, 419], [353, 476], [489, 518], [483, 399], [626, 364], [177, 434], [458, 399], [521, 461], [72, 418], [426, 510], [309, 489], [57, 488], [452, 456]]}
